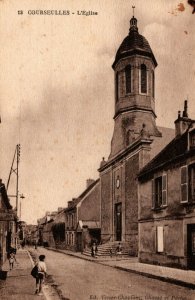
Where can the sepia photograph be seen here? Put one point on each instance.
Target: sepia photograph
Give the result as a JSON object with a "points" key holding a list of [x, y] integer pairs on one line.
{"points": [[97, 156]]}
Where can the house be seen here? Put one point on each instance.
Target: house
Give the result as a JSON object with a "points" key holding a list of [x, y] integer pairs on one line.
{"points": [[8, 221], [83, 217], [45, 234], [167, 201], [31, 234], [136, 138], [58, 229]]}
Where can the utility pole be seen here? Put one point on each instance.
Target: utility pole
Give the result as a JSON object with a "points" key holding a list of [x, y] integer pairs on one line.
{"points": [[15, 169]]}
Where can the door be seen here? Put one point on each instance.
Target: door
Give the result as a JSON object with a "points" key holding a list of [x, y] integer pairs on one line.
{"points": [[118, 221], [191, 246], [79, 241]]}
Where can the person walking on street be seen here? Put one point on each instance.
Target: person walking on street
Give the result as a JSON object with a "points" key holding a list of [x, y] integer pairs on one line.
{"points": [[42, 272]]}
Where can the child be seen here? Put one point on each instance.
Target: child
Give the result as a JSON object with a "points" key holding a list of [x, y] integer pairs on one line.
{"points": [[41, 274], [11, 260]]}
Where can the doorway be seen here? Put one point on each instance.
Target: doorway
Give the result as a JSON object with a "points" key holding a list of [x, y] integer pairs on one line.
{"points": [[118, 221], [191, 246]]}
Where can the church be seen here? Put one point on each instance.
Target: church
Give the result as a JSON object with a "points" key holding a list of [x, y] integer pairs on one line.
{"points": [[136, 139]]}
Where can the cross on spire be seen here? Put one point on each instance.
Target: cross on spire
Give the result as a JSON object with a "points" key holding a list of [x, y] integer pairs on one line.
{"points": [[133, 9]]}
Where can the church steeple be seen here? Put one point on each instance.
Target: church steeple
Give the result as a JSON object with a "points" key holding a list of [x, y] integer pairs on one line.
{"points": [[134, 68]]}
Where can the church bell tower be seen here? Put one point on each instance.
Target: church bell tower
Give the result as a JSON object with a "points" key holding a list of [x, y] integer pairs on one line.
{"points": [[134, 69]]}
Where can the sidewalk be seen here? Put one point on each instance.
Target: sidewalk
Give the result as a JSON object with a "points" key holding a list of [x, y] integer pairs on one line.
{"points": [[180, 277], [19, 283]]}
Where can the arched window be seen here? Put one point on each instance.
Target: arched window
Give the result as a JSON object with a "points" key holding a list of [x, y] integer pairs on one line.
{"points": [[153, 84], [128, 79], [116, 86], [143, 79]]}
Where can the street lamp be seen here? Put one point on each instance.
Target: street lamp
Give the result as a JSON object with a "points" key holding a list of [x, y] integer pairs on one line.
{"points": [[21, 197]]}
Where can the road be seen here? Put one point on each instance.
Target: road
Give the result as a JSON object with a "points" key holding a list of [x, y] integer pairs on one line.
{"points": [[79, 279]]}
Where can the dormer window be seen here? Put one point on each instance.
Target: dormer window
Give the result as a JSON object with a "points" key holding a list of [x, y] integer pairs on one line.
{"points": [[128, 79], [143, 79]]}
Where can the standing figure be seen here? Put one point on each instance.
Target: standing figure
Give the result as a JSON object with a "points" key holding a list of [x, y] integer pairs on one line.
{"points": [[12, 258], [111, 251], [41, 266], [94, 250], [119, 249]]}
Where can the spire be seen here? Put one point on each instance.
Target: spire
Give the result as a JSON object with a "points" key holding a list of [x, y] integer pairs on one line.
{"points": [[133, 22]]}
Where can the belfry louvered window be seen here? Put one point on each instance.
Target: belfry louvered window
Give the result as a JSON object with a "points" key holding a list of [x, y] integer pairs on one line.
{"points": [[143, 79], [128, 79], [116, 86], [153, 85]]}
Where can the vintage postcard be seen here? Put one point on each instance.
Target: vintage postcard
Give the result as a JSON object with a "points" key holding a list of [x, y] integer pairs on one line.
{"points": [[97, 157]]}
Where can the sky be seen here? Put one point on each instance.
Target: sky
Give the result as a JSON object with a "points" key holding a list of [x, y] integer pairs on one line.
{"points": [[57, 88]]}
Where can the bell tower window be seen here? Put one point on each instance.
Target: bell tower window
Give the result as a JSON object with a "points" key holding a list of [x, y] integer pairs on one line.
{"points": [[153, 85], [128, 79], [116, 86], [143, 79]]}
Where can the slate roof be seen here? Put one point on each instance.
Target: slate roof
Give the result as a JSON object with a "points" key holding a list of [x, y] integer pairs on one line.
{"points": [[79, 198], [159, 143], [5, 197], [175, 149], [134, 43], [89, 224]]}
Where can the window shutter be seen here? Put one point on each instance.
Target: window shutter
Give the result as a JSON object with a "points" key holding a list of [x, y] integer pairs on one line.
{"points": [[153, 194], [184, 184], [160, 239], [164, 189]]}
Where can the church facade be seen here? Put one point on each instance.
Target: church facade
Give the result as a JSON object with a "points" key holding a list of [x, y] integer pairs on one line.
{"points": [[136, 139]]}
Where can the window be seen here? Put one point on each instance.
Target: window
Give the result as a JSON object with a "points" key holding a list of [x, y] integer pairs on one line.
{"points": [[159, 191], [191, 176], [143, 79], [153, 84], [159, 239], [128, 79], [192, 140], [184, 184], [72, 220], [116, 86]]}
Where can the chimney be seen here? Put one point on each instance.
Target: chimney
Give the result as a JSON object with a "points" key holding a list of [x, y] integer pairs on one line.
{"points": [[89, 182], [183, 122], [69, 203]]}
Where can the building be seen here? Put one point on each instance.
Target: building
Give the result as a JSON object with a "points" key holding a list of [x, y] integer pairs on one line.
{"points": [[167, 201], [83, 218], [136, 138], [30, 234], [44, 229], [58, 229], [8, 221]]}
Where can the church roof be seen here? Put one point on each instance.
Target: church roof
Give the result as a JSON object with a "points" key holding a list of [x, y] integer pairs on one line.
{"points": [[133, 44]]}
